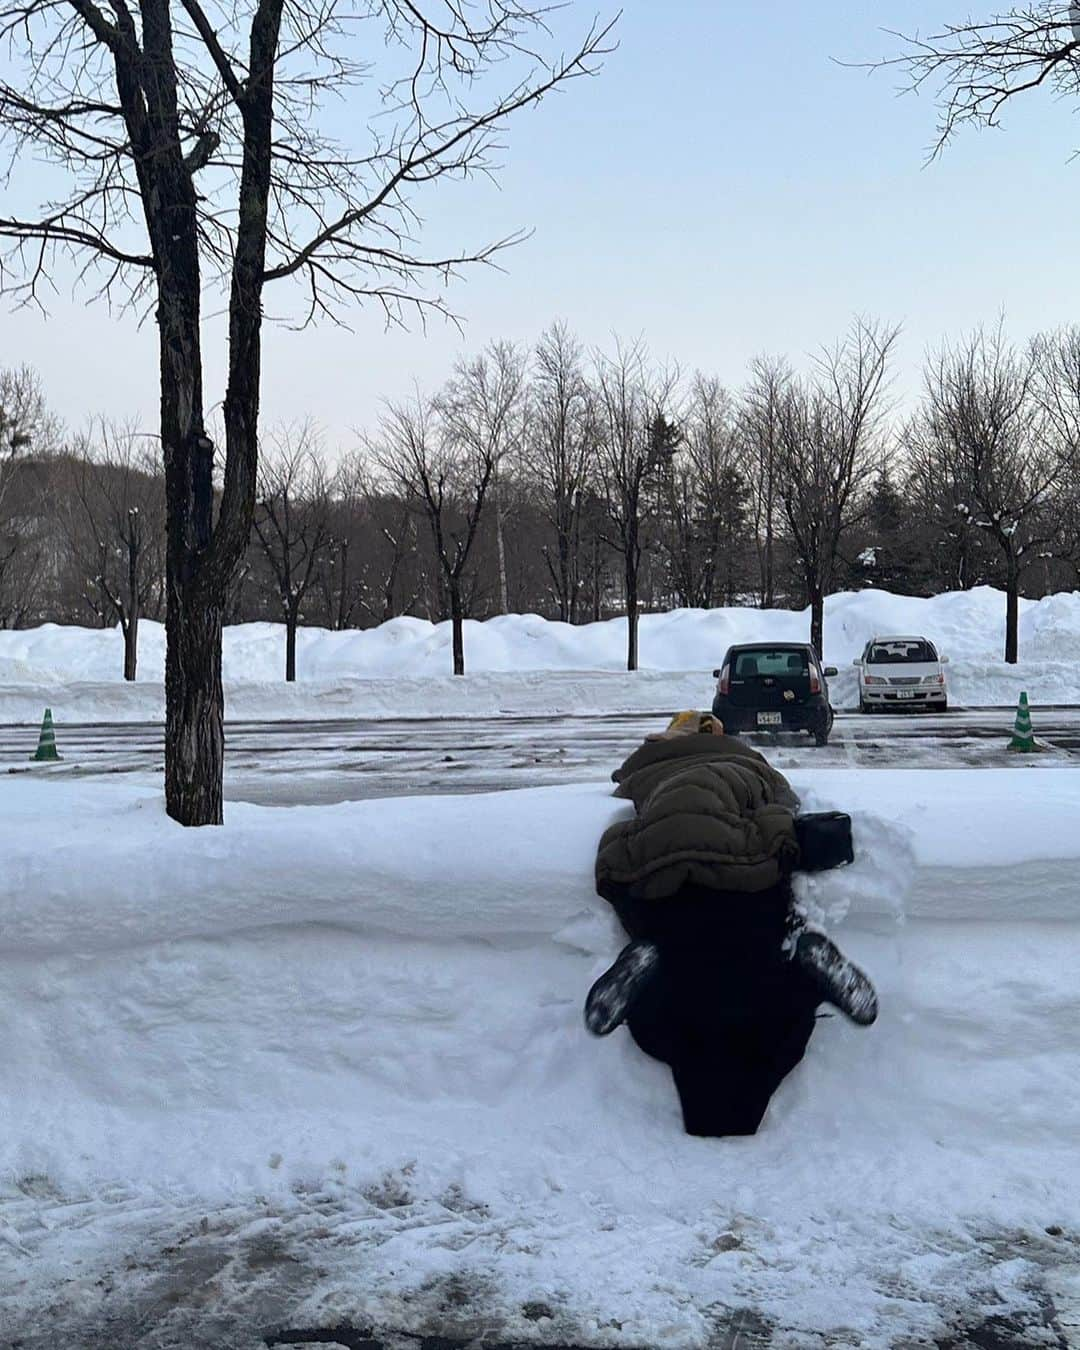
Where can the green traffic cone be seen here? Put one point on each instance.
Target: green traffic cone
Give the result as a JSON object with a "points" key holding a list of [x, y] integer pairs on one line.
{"points": [[46, 749], [1023, 736]]}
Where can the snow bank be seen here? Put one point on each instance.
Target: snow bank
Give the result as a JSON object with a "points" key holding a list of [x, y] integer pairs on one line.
{"points": [[338, 671], [378, 1003], [529, 694], [396, 866]]}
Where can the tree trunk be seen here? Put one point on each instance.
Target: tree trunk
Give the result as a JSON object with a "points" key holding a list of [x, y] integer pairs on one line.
{"points": [[194, 721], [500, 544], [291, 615], [632, 636], [565, 593], [817, 621], [631, 614], [197, 575], [343, 586], [963, 569], [401, 543], [131, 646], [131, 632], [573, 569], [194, 737], [1012, 613], [596, 580], [768, 584], [457, 626], [769, 598]]}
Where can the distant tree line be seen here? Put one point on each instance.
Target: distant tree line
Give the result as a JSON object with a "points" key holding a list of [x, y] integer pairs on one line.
{"points": [[584, 486]]}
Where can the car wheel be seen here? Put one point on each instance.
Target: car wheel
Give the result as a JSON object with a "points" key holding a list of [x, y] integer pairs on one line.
{"points": [[821, 738]]}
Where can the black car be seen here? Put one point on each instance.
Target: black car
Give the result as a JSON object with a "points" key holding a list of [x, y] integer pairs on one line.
{"points": [[778, 686]]}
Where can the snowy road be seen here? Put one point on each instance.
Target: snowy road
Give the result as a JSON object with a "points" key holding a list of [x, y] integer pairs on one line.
{"points": [[294, 763], [233, 1279]]}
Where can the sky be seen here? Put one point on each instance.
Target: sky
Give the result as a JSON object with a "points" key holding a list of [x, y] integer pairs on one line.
{"points": [[725, 186]]}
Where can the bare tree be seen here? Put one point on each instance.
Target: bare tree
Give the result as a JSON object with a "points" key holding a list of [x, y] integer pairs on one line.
{"points": [[1057, 387], [828, 447], [28, 544], [762, 403], [482, 408], [985, 433], [365, 567], [561, 457], [977, 66], [292, 523], [940, 532], [115, 525], [598, 560], [26, 424], [975, 69], [705, 498], [636, 441], [28, 431], [189, 137], [336, 578], [447, 480], [399, 534]]}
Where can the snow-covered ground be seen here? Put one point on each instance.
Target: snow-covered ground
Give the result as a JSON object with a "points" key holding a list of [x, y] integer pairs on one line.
{"points": [[525, 664], [326, 1066]]}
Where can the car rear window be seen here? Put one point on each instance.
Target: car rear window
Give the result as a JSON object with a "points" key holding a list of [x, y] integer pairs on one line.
{"points": [[900, 653], [765, 662]]}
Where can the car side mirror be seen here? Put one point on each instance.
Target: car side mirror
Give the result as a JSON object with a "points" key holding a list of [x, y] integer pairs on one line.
{"points": [[829, 672], [944, 660], [857, 661], [716, 674]]}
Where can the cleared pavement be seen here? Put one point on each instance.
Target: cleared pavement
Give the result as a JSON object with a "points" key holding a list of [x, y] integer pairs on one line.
{"points": [[294, 763]]}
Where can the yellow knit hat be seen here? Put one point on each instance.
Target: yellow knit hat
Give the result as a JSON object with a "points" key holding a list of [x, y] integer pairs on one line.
{"points": [[692, 721]]}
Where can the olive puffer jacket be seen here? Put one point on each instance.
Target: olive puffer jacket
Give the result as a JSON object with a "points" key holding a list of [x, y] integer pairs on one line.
{"points": [[709, 812]]}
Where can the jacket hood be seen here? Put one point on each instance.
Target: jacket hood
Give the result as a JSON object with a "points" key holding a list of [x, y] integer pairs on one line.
{"points": [[709, 812], [640, 772]]}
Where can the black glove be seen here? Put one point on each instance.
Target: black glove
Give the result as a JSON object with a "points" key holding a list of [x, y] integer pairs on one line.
{"points": [[824, 840]]}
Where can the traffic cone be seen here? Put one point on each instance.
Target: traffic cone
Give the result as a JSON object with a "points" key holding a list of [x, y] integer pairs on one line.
{"points": [[46, 749], [1023, 736]]}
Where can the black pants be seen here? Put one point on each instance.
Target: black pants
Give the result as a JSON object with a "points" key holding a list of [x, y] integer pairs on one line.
{"points": [[725, 1009]]}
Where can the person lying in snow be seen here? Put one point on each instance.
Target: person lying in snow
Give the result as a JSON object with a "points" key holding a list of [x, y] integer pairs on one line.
{"points": [[719, 980]]}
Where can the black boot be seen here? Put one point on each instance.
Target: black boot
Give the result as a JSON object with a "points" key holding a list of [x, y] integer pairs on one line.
{"points": [[613, 994], [839, 980]]}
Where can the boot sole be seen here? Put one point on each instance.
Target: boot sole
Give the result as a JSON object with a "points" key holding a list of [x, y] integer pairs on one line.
{"points": [[841, 982], [610, 998]]}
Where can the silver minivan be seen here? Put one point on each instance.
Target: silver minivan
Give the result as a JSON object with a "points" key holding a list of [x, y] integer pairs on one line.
{"points": [[901, 672]]}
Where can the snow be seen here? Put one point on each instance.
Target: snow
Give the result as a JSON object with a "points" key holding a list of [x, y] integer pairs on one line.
{"points": [[338, 1029], [524, 663]]}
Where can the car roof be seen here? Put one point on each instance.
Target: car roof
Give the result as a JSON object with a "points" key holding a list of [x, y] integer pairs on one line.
{"points": [[771, 647], [900, 637]]}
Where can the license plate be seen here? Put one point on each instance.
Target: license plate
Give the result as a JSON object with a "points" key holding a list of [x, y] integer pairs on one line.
{"points": [[905, 693], [770, 719]]}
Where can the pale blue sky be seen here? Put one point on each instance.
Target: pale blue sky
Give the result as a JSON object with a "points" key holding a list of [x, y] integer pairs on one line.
{"points": [[723, 187]]}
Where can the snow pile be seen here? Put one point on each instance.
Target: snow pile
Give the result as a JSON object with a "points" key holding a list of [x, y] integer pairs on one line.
{"points": [[966, 624], [341, 1026], [528, 665], [529, 694]]}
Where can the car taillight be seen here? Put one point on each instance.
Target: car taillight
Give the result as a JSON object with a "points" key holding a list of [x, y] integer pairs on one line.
{"points": [[815, 683], [725, 680]]}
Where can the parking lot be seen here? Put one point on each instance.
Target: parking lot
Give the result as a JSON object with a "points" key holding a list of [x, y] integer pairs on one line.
{"points": [[293, 763]]}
